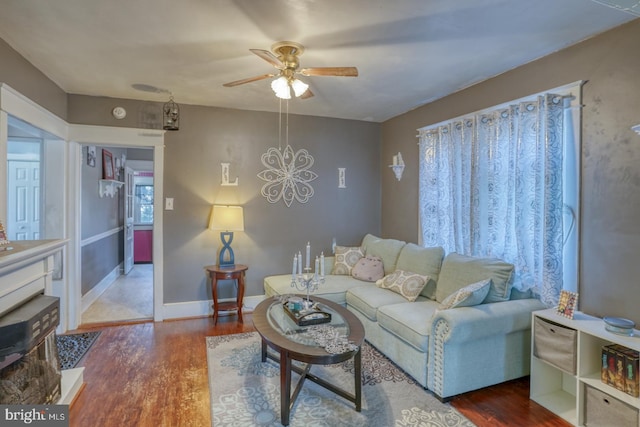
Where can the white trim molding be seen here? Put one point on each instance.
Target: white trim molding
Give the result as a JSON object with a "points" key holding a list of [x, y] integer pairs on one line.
{"points": [[100, 236], [74, 135]]}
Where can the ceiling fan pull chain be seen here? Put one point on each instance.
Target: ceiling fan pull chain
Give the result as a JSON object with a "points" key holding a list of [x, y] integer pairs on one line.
{"points": [[280, 126], [286, 152]]}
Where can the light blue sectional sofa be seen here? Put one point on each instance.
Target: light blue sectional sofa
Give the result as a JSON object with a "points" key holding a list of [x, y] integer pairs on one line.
{"points": [[449, 351]]}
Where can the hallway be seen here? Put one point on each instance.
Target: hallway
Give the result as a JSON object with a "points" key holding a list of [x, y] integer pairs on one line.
{"points": [[130, 297]]}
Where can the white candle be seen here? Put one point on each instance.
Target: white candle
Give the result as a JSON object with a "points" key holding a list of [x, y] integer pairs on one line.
{"points": [[308, 255], [322, 264], [299, 262], [317, 267], [295, 262], [395, 160]]}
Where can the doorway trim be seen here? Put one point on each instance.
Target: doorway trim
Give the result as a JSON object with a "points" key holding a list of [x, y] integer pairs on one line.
{"points": [[105, 136]]}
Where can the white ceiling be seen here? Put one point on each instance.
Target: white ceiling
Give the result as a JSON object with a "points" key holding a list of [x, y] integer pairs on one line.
{"points": [[408, 52]]}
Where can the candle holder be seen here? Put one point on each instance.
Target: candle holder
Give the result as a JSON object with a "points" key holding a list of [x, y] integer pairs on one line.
{"points": [[308, 283]]}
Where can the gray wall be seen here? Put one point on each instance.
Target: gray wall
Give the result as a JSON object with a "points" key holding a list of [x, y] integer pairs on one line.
{"points": [[99, 215], [18, 73], [273, 232], [610, 230]]}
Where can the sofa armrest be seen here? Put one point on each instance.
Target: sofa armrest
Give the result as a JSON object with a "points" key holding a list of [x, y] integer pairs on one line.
{"points": [[498, 318], [475, 347]]}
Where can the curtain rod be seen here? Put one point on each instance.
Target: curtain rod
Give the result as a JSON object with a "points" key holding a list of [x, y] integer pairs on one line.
{"points": [[564, 91]]}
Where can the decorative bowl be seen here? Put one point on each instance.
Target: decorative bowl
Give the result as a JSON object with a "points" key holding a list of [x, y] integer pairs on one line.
{"points": [[618, 325]]}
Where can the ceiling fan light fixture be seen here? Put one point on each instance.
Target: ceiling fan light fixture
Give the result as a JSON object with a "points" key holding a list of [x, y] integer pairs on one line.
{"points": [[299, 87], [280, 87]]}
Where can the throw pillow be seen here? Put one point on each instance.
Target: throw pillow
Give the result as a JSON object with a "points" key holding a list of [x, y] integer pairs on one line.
{"points": [[405, 283], [345, 258], [468, 296], [460, 270], [387, 249], [369, 269]]}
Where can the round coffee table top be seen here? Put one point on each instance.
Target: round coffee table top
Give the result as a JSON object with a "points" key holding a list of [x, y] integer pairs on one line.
{"points": [[281, 333]]}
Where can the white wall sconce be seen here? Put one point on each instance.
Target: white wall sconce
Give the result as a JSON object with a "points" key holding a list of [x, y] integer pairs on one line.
{"points": [[636, 128], [397, 165]]}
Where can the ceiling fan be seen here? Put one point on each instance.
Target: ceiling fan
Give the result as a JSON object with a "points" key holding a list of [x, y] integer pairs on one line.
{"points": [[285, 57]]}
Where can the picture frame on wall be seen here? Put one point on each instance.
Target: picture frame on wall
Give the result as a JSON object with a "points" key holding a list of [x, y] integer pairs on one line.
{"points": [[107, 165], [91, 156]]}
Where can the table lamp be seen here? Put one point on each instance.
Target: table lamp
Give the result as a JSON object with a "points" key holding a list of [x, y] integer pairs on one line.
{"points": [[228, 219]]}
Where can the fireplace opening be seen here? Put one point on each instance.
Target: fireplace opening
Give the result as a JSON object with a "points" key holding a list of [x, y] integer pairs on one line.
{"points": [[29, 364]]}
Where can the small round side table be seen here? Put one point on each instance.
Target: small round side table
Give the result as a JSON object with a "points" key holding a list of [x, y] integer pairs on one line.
{"points": [[232, 272]]}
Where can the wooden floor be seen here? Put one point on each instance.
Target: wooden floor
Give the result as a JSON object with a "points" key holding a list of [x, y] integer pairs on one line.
{"points": [[155, 374]]}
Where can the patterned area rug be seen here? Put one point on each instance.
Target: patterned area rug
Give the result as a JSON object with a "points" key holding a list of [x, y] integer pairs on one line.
{"points": [[73, 347], [246, 392]]}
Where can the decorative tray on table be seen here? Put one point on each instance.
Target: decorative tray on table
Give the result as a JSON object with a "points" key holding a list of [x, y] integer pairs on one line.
{"points": [[305, 313]]}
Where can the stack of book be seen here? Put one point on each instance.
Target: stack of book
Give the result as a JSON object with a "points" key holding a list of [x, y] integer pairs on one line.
{"points": [[620, 368]]}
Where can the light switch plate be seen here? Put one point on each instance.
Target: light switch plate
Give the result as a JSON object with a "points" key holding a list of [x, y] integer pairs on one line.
{"points": [[168, 203]]}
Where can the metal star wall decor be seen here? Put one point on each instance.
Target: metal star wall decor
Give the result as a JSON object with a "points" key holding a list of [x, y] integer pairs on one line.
{"points": [[288, 175]]}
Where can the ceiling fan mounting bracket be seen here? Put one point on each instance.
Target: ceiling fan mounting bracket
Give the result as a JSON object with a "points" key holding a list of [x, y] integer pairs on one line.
{"points": [[287, 48], [288, 53]]}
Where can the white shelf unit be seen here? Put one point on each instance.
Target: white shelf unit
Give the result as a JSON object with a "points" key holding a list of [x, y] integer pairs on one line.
{"points": [[108, 187], [563, 393]]}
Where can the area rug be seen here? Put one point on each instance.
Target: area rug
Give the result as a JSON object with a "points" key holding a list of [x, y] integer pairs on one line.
{"points": [[73, 347], [246, 392]]}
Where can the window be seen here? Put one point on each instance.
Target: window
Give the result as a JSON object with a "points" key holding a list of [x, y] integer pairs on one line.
{"points": [[503, 183], [143, 204]]}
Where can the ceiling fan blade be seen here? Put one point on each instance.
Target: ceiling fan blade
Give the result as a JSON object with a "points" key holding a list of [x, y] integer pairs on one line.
{"points": [[330, 71], [269, 57], [249, 80], [306, 94]]}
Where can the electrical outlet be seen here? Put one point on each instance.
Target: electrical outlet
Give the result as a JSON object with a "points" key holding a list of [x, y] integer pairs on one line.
{"points": [[168, 203]]}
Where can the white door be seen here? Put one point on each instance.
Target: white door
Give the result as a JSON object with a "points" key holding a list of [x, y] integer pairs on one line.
{"points": [[128, 220], [24, 200]]}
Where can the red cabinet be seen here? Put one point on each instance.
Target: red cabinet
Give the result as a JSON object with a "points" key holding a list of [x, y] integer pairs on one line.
{"points": [[143, 246]]}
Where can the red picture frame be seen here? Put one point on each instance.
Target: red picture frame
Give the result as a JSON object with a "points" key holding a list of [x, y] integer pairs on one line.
{"points": [[107, 165]]}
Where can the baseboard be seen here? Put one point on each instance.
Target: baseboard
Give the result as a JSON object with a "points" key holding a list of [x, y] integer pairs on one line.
{"points": [[95, 292], [182, 310]]}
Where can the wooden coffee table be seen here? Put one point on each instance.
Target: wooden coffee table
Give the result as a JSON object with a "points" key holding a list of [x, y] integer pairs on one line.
{"points": [[281, 333]]}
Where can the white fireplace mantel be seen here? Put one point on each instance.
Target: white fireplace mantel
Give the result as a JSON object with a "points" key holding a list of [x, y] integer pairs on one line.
{"points": [[26, 269]]}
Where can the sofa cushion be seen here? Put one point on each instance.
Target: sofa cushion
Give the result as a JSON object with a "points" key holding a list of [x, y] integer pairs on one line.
{"points": [[387, 249], [468, 296], [369, 269], [410, 321], [405, 283], [333, 288], [460, 270], [425, 261], [345, 258], [368, 298]]}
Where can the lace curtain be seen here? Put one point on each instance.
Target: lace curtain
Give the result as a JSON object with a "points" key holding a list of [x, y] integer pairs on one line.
{"points": [[491, 185]]}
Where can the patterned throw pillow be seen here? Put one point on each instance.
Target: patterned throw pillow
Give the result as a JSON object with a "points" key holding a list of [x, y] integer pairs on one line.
{"points": [[369, 269], [468, 296], [405, 283], [345, 258]]}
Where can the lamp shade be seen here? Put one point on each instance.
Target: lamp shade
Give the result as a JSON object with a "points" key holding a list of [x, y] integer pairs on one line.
{"points": [[228, 218], [299, 87]]}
